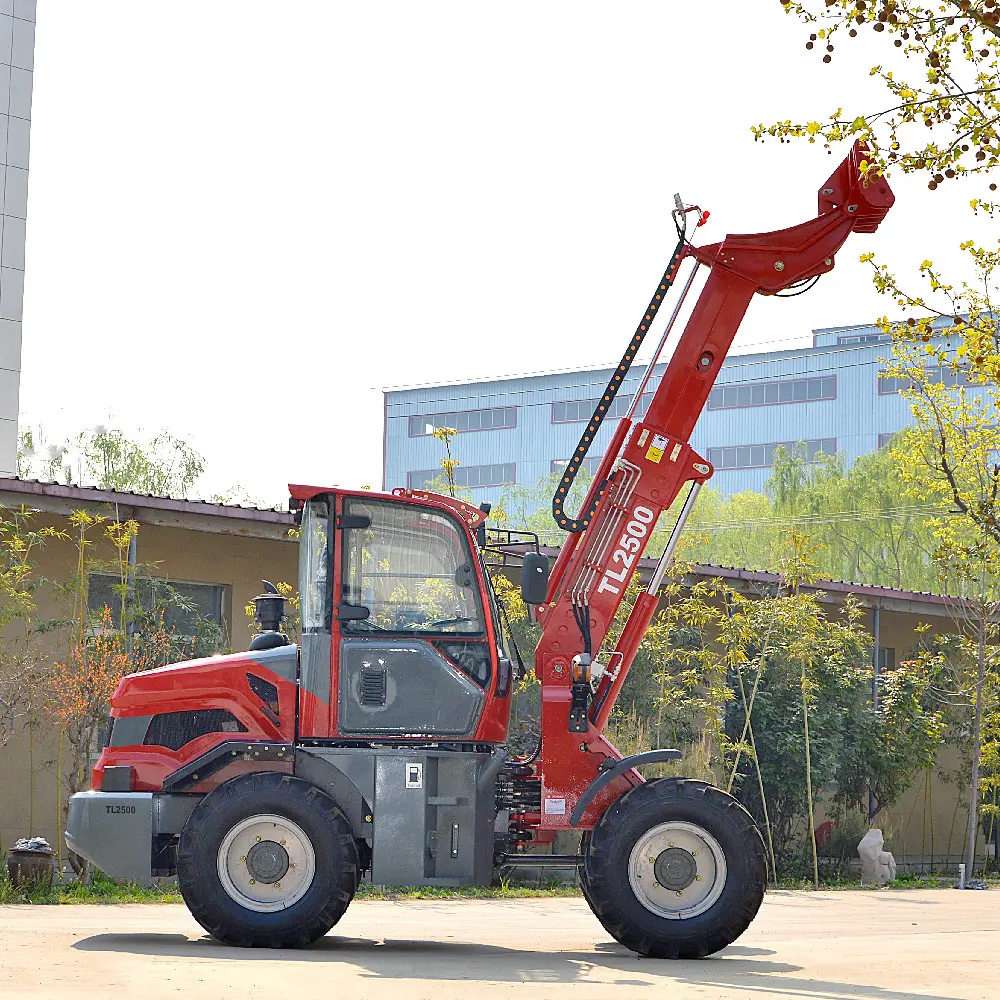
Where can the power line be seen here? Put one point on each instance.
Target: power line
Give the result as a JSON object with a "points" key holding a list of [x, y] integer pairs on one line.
{"points": [[820, 520]]}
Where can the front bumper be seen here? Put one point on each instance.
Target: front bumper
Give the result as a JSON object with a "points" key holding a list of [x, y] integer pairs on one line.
{"points": [[114, 831]]}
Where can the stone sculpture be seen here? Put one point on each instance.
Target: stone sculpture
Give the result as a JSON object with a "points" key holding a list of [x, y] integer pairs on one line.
{"points": [[877, 865]]}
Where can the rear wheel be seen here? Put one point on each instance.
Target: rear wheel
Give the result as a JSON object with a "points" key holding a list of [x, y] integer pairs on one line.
{"points": [[675, 868], [267, 860]]}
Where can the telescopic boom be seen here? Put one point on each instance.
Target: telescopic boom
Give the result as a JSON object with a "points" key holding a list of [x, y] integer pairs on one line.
{"points": [[646, 465]]}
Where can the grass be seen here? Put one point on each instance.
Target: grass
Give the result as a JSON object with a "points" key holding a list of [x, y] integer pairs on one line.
{"points": [[105, 890], [101, 890], [549, 889], [938, 880]]}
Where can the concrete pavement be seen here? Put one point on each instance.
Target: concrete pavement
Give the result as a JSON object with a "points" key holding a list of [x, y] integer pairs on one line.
{"points": [[885, 945]]}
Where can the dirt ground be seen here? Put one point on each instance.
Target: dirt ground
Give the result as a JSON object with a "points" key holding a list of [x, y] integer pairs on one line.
{"points": [[886, 945]]}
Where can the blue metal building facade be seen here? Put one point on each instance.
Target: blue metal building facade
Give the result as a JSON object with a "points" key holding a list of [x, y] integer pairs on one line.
{"points": [[514, 430]]}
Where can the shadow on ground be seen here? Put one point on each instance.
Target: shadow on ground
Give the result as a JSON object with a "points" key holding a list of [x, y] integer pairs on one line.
{"points": [[746, 968]]}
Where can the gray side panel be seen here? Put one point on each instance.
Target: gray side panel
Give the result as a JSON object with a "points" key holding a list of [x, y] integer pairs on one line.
{"points": [[400, 854], [171, 811], [129, 730], [435, 832], [315, 672], [282, 660], [113, 830], [342, 776], [424, 694], [453, 846]]}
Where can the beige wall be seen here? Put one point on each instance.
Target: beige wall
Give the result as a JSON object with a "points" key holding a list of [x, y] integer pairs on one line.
{"points": [[924, 829], [931, 821], [29, 762]]}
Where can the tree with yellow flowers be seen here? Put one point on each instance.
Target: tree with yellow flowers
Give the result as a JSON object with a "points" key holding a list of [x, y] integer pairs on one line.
{"points": [[940, 119]]}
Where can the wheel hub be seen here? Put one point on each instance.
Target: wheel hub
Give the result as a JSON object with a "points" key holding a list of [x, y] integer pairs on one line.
{"points": [[675, 869], [267, 862]]}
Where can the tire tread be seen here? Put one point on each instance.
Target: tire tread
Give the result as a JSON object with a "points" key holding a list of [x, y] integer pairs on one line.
{"points": [[601, 874], [198, 881]]}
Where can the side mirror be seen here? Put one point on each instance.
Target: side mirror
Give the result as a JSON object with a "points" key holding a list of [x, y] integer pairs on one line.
{"points": [[534, 578]]}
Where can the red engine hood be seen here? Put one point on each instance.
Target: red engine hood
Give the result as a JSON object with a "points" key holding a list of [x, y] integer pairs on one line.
{"points": [[205, 679]]}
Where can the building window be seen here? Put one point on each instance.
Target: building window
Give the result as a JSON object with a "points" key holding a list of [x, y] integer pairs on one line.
{"points": [[885, 438], [946, 375], [863, 338], [570, 411], [465, 420], [186, 606], [472, 476], [886, 658], [791, 390], [591, 464], [761, 456]]}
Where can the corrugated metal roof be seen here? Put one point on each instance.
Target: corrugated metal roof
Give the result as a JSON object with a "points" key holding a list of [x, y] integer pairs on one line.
{"points": [[768, 577], [765, 576], [94, 494]]}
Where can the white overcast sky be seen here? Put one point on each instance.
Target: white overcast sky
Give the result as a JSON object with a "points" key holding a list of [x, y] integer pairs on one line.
{"points": [[246, 218]]}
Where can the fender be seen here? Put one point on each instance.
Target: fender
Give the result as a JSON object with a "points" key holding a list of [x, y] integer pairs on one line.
{"points": [[611, 769], [353, 792]]}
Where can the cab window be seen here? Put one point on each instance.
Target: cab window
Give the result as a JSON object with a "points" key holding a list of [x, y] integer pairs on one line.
{"points": [[314, 604], [412, 569]]}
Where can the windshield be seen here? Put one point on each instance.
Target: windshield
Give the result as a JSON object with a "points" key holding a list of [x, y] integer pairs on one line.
{"points": [[412, 569], [314, 567]]}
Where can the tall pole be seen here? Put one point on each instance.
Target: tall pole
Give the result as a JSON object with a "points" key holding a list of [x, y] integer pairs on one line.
{"points": [[970, 846], [875, 674]]}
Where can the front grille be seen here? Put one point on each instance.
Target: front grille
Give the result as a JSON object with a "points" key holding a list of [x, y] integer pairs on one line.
{"points": [[175, 729]]}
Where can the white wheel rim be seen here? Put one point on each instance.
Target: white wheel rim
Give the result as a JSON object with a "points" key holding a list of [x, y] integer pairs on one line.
{"points": [[266, 863], [677, 870]]}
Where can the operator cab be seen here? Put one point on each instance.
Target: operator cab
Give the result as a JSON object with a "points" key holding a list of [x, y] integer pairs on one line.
{"points": [[401, 635]]}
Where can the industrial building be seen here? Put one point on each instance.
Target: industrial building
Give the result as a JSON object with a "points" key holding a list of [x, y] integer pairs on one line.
{"points": [[824, 399]]}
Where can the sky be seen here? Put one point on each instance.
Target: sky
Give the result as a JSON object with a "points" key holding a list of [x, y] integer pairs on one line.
{"points": [[247, 219]]}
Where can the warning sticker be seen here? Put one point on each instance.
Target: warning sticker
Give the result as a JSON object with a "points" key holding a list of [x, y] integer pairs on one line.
{"points": [[555, 807], [655, 452]]}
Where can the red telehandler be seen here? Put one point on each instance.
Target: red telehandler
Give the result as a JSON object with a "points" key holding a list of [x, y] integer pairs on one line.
{"points": [[272, 781]]}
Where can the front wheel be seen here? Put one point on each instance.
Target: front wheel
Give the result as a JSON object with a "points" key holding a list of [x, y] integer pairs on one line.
{"points": [[267, 860], [675, 868]]}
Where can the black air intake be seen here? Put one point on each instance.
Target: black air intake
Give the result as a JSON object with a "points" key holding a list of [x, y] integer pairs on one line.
{"points": [[176, 729]]}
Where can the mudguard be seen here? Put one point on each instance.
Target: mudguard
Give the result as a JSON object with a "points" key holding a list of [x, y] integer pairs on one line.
{"points": [[611, 769]]}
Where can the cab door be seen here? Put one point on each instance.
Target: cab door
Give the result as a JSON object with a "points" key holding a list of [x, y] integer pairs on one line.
{"points": [[413, 654]]}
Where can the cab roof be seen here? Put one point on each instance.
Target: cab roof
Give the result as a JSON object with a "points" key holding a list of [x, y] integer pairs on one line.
{"points": [[472, 516]]}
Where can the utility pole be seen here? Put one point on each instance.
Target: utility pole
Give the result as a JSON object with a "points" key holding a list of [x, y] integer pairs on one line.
{"points": [[970, 847], [875, 675]]}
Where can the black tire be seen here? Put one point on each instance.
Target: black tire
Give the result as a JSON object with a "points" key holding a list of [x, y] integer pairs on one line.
{"points": [[605, 875], [335, 862]]}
